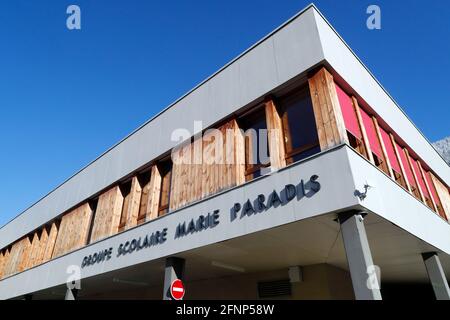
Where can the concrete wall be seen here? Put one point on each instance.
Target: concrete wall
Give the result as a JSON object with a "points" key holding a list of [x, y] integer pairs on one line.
{"points": [[336, 193], [390, 201]]}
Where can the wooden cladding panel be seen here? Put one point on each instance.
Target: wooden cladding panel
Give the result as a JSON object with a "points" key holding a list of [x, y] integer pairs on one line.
{"points": [[40, 250], [25, 255], [329, 120], [32, 254], [131, 205], [50, 244], [17, 257], [108, 213], [239, 149], [3, 258], [443, 194], [206, 165], [181, 176], [275, 136], [4, 262], [154, 188], [73, 230], [28, 252]]}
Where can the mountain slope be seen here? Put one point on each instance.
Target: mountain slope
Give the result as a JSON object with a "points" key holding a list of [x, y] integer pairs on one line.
{"points": [[443, 147]]}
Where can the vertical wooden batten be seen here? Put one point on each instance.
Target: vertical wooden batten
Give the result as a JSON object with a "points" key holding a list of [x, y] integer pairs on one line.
{"points": [[239, 141], [275, 135], [34, 250], [131, 209], [424, 178], [363, 130], [42, 244], [329, 120], [3, 259], [400, 163], [153, 196], [383, 148], [18, 256], [416, 179], [6, 256], [50, 246], [443, 194], [25, 254]]}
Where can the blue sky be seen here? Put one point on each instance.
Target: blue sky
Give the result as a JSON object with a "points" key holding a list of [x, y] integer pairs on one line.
{"points": [[67, 96]]}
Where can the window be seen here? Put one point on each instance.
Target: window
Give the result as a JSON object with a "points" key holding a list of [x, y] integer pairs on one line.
{"points": [[165, 170], [351, 122], [396, 169], [257, 158], [125, 189], [144, 181], [423, 187], [408, 172], [299, 126], [375, 145], [437, 200]]}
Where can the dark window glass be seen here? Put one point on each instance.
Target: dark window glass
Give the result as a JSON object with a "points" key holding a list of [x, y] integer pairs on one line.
{"points": [[299, 126], [257, 157]]}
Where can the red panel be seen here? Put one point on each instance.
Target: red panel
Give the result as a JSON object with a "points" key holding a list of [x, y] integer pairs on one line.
{"points": [[371, 134], [405, 163], [419, 178], [390, 151], [349, 113], [432, 188]]}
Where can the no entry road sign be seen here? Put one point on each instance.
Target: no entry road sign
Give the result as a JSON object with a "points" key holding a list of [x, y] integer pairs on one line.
{"points": [[177, 289]]}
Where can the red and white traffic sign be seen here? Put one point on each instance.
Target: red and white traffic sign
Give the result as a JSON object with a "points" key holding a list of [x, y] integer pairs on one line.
{"points": [[177, 289]]}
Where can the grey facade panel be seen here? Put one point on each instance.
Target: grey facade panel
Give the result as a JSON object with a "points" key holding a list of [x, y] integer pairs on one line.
{"points": [[336, 192], [389, 200]]}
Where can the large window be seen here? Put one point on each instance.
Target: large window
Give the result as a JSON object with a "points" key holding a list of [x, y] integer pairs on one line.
{"points": [[257, 158], [352, 126], [165, 170], [408, 172], [422, 185], [375, 145], [391, 153], [299, 126]]}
